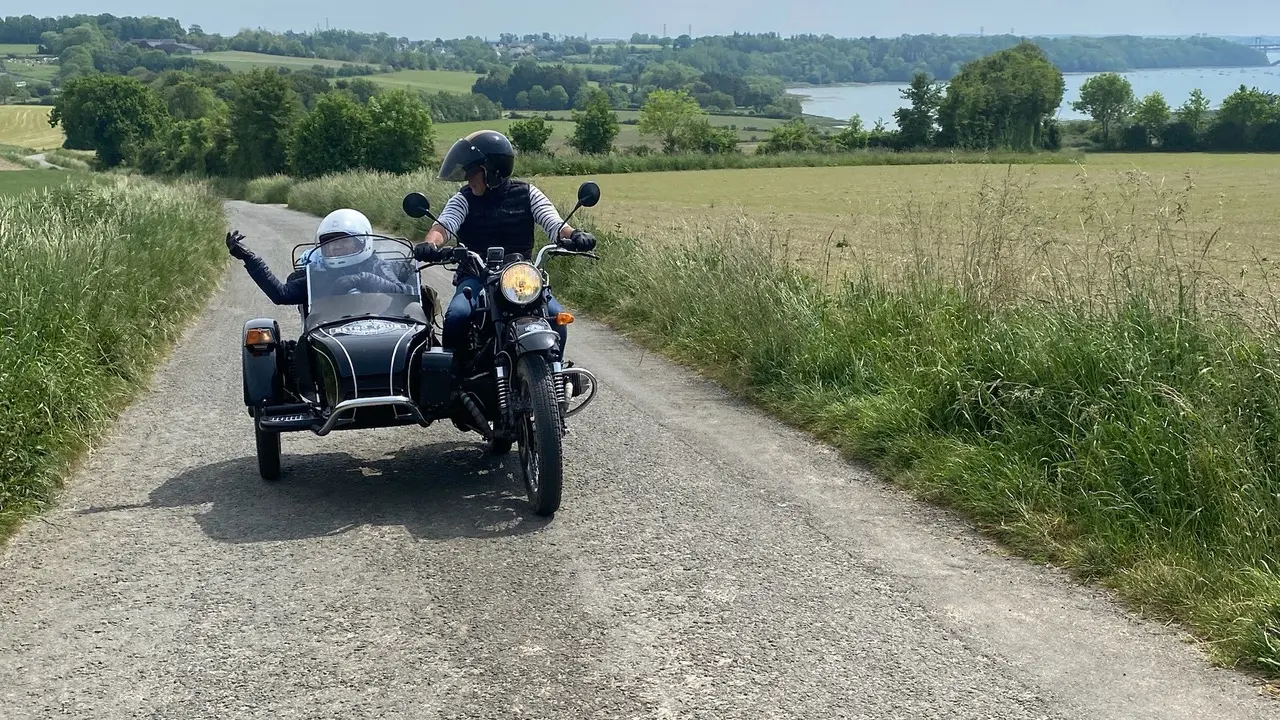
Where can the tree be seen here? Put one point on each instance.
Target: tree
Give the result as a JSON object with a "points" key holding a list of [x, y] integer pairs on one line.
{"points": [[188, 100], [332, 138], [557, 98], [262, 118], [1242, 114], [361, 89], [200, 147], [1195, 111], [795, 135], [916, 123], [110, 114], [530, 136], [1179, 136], [852, 136], [665, 114], [1001, 100], [1107, 98], [1153, 115], [8, 88], [401, 136], [596, 127], [699, 135]]}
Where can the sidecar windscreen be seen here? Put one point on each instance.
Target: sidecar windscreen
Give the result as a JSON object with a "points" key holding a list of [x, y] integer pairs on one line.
{"points": [[383, 284]]}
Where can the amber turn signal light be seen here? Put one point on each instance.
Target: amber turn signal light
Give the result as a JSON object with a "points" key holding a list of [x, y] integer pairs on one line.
{"points": [[563, 318], [257, 336]]}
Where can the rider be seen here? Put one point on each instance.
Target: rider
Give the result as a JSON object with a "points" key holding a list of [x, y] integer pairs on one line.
{"points": [[344, 247], [491, 210]]}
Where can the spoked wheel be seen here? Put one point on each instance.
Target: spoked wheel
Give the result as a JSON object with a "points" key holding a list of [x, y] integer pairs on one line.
{"points": [[539, 432], [268, 443]]}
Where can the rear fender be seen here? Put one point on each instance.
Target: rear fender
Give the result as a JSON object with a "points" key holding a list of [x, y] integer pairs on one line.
{"points": [[260, 364]]}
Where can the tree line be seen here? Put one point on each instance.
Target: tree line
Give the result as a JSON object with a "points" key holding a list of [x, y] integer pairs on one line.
{"points": [[825, 59], [1247, 120], [816, 59], [531, 85], [249, 125], [1007, 101]]}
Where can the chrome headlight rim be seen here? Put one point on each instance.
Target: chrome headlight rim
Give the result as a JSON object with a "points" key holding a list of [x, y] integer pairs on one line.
{"points": [[510, 294]]}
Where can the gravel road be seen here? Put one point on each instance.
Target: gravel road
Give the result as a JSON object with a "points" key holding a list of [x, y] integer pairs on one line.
{"points": [[707, 563]]}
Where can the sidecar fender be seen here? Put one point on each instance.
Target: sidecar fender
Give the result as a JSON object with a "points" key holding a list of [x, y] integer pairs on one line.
{"points": [[260, 362]]}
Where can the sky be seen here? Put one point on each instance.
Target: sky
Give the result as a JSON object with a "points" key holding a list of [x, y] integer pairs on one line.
{"points": [[609, 18]]}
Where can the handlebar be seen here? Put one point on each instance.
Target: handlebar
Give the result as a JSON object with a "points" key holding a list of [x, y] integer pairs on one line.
{"points": [[548, 249]]}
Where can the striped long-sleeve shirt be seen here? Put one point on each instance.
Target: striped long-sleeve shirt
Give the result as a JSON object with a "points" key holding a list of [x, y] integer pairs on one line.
{"points": [[544, 212]]}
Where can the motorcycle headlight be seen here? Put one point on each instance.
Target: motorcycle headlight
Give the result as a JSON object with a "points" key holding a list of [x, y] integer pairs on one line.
{"points": [[521, 283]]}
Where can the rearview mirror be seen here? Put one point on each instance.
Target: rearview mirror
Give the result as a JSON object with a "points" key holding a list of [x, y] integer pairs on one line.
{"points": [[588, 194], [416, 205]]}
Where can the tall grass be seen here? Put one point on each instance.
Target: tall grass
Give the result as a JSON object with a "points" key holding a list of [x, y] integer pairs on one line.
{"points": [[1101, 399], [100, 275]]}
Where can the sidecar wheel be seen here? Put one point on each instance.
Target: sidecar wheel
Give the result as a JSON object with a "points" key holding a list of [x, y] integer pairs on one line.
{"points": [[268, 454]]}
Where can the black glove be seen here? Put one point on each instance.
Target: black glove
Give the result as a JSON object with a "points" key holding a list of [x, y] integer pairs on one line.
{"points": [[579, 241], [426, 252], [365, 282], [234, 246]]}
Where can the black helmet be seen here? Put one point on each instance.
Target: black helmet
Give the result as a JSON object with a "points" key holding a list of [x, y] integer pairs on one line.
{"points": [[488, 149]]}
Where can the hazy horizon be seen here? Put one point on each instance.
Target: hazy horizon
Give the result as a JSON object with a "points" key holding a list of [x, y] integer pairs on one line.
{"points": [[709, 17]]}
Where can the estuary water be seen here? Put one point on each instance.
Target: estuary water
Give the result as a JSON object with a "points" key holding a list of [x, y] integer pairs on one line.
{"points": [[879, 100]]}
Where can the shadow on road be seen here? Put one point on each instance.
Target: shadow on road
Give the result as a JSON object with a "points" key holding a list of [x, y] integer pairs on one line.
{"points": [[436, 492]]}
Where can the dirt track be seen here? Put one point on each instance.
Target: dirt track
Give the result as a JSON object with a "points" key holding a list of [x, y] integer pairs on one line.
{"points": [[707, 562]]}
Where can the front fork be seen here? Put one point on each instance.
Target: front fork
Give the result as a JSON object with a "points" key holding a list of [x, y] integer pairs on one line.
{"points": [[508, 405]]}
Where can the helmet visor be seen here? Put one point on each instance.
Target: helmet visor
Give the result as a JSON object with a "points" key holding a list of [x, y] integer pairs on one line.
{"points": [[461, 157], [340, 244]]}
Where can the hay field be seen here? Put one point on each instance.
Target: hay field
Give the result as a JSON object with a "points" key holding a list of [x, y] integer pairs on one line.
{"points": [[835, 219], [28, 126]]}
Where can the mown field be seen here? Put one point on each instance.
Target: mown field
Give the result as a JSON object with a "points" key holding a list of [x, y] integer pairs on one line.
{"points": [[431, 80], [28, 126], [16, 181], [1067, 356], [17, 49], [25, 69], [239, 61]]}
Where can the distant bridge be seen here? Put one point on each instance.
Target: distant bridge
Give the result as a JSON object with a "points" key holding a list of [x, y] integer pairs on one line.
{"points": [[1258, 44]]}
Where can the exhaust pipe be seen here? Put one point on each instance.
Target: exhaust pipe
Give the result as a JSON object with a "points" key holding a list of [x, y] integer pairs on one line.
{"points": [[478, 423]]}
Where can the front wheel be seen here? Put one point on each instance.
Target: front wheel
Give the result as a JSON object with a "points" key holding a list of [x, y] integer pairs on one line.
{"points": [[539, 432]]}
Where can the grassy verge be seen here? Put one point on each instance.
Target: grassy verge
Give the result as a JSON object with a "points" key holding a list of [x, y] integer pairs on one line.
{"points": [[70, 159], [1116, 410], [104, 273]]}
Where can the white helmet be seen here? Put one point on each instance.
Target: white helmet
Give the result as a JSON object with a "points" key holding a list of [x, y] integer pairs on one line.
{"points": [[344, 223]]}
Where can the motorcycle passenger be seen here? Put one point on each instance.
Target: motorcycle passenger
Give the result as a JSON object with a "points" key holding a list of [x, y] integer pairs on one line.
{"points": [[491, 210], [349, 257]]}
